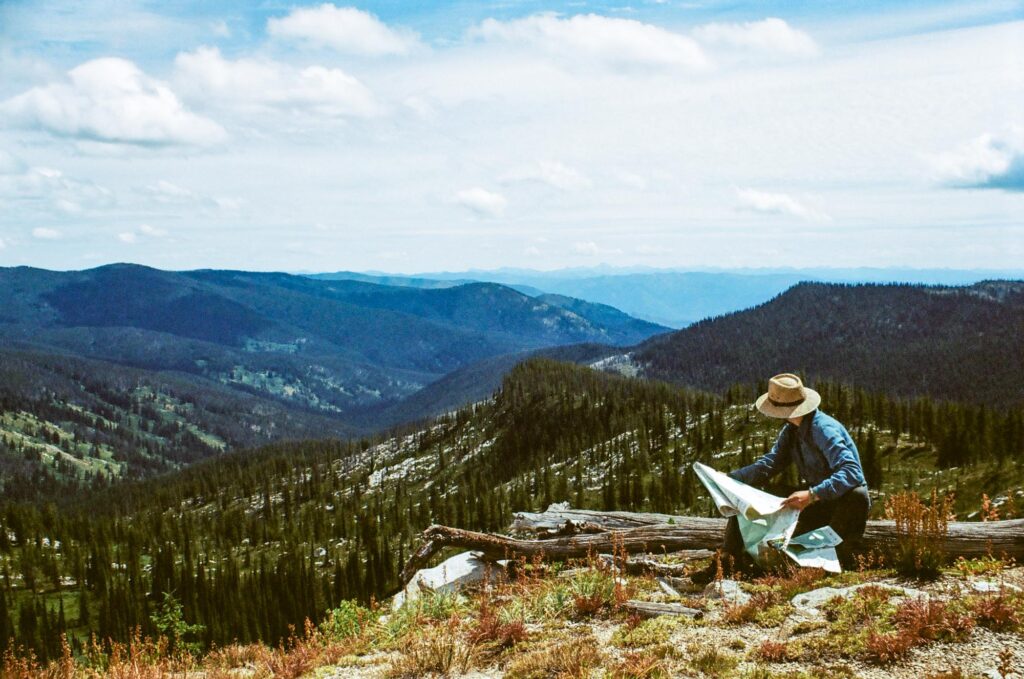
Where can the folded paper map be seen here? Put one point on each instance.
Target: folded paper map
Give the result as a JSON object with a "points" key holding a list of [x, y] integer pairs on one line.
{"points": [[766, 526]]}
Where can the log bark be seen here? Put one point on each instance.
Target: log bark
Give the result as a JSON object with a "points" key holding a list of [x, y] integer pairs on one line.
{"points": [[642, 565], [966, 539], [556, 517], [649, 609], [997, 538]]}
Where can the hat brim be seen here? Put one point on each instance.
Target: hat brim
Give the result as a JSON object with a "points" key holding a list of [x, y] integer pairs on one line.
{"points": [[812, 400]]}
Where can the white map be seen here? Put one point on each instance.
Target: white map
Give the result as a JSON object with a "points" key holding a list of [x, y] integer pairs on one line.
{"points": [[766, 526]]}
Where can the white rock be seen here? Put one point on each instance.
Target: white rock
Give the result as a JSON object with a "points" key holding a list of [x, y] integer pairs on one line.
{"points": [[455, 573], [987, 586], [810, 603], [727, 590]]}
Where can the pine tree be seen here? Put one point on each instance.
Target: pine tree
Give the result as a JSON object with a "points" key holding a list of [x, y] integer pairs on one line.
{"points": [[6, 628]]}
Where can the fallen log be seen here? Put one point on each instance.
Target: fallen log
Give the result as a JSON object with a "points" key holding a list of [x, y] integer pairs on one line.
{"points": [[969, 540], [649, 609], [556, 517], [642, 565], [963, 538], [645, 539]]}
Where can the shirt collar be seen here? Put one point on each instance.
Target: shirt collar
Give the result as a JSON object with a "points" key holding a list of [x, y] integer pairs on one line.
{"points": [[805, 424]]}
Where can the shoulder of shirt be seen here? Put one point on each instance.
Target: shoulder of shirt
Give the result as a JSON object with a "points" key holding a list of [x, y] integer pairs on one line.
{"points": [[826, 424]]}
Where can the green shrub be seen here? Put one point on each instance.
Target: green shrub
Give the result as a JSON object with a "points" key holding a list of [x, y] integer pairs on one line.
{"points": [[649, 632], [349, 619]]}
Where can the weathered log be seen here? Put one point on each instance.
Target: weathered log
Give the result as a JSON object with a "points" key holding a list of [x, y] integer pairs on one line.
{"points": [[963, 538], [668, 588], [642, 565], [649, 609], [698, 534], [998, 538], [557, 515]]}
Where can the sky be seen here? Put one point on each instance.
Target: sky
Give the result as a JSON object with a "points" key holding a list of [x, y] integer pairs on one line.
{"points": [[425, 136]]}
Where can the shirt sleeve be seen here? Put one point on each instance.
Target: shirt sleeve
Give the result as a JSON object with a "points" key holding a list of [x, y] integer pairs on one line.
{"points": [[846, 470], [769, 464]]}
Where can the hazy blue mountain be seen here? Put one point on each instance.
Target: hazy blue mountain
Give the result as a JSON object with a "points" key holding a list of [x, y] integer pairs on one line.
{"points": [[677, 298], [389, 279]]}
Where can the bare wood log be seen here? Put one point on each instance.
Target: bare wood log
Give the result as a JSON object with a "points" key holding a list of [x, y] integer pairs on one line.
{"points": [[966, 539], [649, 609], [643, 565], [999, 538], [558, 515], [667, 588]]}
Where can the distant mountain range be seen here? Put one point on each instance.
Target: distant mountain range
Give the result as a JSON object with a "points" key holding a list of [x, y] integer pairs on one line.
{"points": [[677, 298], [251, 356], [956, 343], [125, 370]]}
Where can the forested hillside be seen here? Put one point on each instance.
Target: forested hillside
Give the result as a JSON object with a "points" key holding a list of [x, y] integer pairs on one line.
{"points": [[124, 370], [67, 421], [958, 343], [254, 541], [331, 346]]}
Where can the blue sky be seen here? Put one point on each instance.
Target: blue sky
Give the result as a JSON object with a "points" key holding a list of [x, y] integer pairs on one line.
{"points": [[404, 136]]}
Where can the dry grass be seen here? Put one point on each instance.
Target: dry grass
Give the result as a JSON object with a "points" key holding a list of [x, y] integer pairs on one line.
{"points": [[918, 622], [774, 651], [1001, 611], [646, 664], [921, 527], [566, 659], [710, 661], [439, 649]]}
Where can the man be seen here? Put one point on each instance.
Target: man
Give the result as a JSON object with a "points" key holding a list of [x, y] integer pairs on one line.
{"points": [[833, 490]]}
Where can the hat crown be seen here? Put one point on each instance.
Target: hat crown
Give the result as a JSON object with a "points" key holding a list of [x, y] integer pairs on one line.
{"points": [[786, 388]]}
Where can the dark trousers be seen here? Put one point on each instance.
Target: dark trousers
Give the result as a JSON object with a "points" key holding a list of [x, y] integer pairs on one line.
{"points": [[847, 514]]}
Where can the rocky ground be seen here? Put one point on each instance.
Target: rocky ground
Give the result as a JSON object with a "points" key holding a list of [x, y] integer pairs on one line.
{"points": [[576, 623]]}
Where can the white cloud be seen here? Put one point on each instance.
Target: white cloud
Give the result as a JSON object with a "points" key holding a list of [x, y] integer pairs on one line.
{"points": [[345, 29], [177, 199], [988, 161], [221, 29], [590, 248], [206, 76], [52, 190], [481, 201], [164, 191], [43, 233], [111, 100], [595, 38], [768, 36], [586, 248], [778, 204], [552, 173], [3, 245], [10, 164], [648, 250], [632, 180], [143, 232], [152, 231]]}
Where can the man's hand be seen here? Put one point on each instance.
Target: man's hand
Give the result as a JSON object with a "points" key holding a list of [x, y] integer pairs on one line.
{"points": [[798, 500]]}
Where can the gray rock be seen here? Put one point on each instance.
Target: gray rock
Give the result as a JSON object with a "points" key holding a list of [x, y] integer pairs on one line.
{"points": [[808, 604], [457, 572], [728, 591], [989, 587]]}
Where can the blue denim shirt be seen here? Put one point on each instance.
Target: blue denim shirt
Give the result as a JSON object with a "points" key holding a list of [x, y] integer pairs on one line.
{"points": [[824, 453]]}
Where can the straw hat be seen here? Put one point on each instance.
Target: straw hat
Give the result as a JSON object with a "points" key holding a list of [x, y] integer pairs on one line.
{"points": [[787, 397]]}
